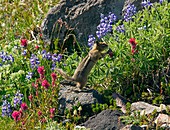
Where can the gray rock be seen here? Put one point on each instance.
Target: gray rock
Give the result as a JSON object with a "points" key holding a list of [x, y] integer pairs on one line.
{"points": [[146, 108], [80, 16], [69, 96], [131, 127], [165, 126], [106, 120], [162, 119]]}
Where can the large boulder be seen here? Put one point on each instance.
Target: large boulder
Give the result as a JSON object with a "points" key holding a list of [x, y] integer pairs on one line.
{"points": [[79, 17], [69, 96], [106, 120], [131, 127], [146, 108]]}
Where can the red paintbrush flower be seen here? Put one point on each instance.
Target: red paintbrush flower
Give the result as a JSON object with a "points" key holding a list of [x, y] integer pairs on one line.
{"points": [[45, 84], [24, 42], [132, 41], [24, 106], [16, 115]]}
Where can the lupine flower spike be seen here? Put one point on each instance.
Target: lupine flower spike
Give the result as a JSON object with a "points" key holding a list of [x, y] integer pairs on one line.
{"points": [[129, 12], [146, 4]]}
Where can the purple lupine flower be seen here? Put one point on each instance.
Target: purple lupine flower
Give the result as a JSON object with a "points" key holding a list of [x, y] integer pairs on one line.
{"points": [[55, 58], [11, 58], [146, 4], [5, 58], [2, 54], [59, 57], [53, 65], [34, 61], [129, 12], [29, 75], [24, 53], [112, 18], [18, 99], [91, 41], [48, 56], [43, 52], [161, 1], [105, 25], [6, 106], [120, 29]]}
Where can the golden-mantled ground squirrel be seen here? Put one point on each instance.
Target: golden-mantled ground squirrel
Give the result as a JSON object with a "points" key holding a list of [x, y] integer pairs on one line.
{"points": [[81, 73]]}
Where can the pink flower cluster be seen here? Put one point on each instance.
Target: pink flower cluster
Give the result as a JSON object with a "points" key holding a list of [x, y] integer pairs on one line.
{"points": [[41, 71], [18, 114], [52, 110], [45, 84]]}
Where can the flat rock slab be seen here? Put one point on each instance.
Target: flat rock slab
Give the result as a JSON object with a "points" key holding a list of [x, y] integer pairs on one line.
{"points": [[146, 108], [69, 96], [163, 119], [106, 120]]}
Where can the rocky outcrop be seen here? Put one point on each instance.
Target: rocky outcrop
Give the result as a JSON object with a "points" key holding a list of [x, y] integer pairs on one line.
{"points": [[69, 97], [163, 120], [146, 108], [131, 127], [106, 120], [80, 17]]}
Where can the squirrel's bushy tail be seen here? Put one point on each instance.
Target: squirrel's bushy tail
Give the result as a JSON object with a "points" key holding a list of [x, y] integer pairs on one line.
{"points": [[64, 75]]}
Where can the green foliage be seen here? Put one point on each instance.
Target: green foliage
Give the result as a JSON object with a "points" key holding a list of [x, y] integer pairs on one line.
{"points": [[139, 76], [135, 119], [131, 74], [111, 104], [19, 17]]}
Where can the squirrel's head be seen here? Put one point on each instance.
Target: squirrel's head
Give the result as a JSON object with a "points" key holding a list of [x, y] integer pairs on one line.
{"points": [[101, 46]]}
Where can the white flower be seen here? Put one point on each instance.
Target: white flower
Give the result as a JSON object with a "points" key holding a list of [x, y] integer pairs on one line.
{"points": [[3, 24]]}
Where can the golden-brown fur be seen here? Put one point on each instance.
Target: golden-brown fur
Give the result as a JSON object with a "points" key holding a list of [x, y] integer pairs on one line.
{"points": [[81, 73]]}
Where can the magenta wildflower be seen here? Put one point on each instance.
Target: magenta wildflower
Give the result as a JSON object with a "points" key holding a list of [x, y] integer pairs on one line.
{"points": [[24, 106], [16, 115], [41, 70], [23, 42], [53, 76], [45, 84], [39, 113], [52, 110], [133, 44], [37, 47], [132, 41]]}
